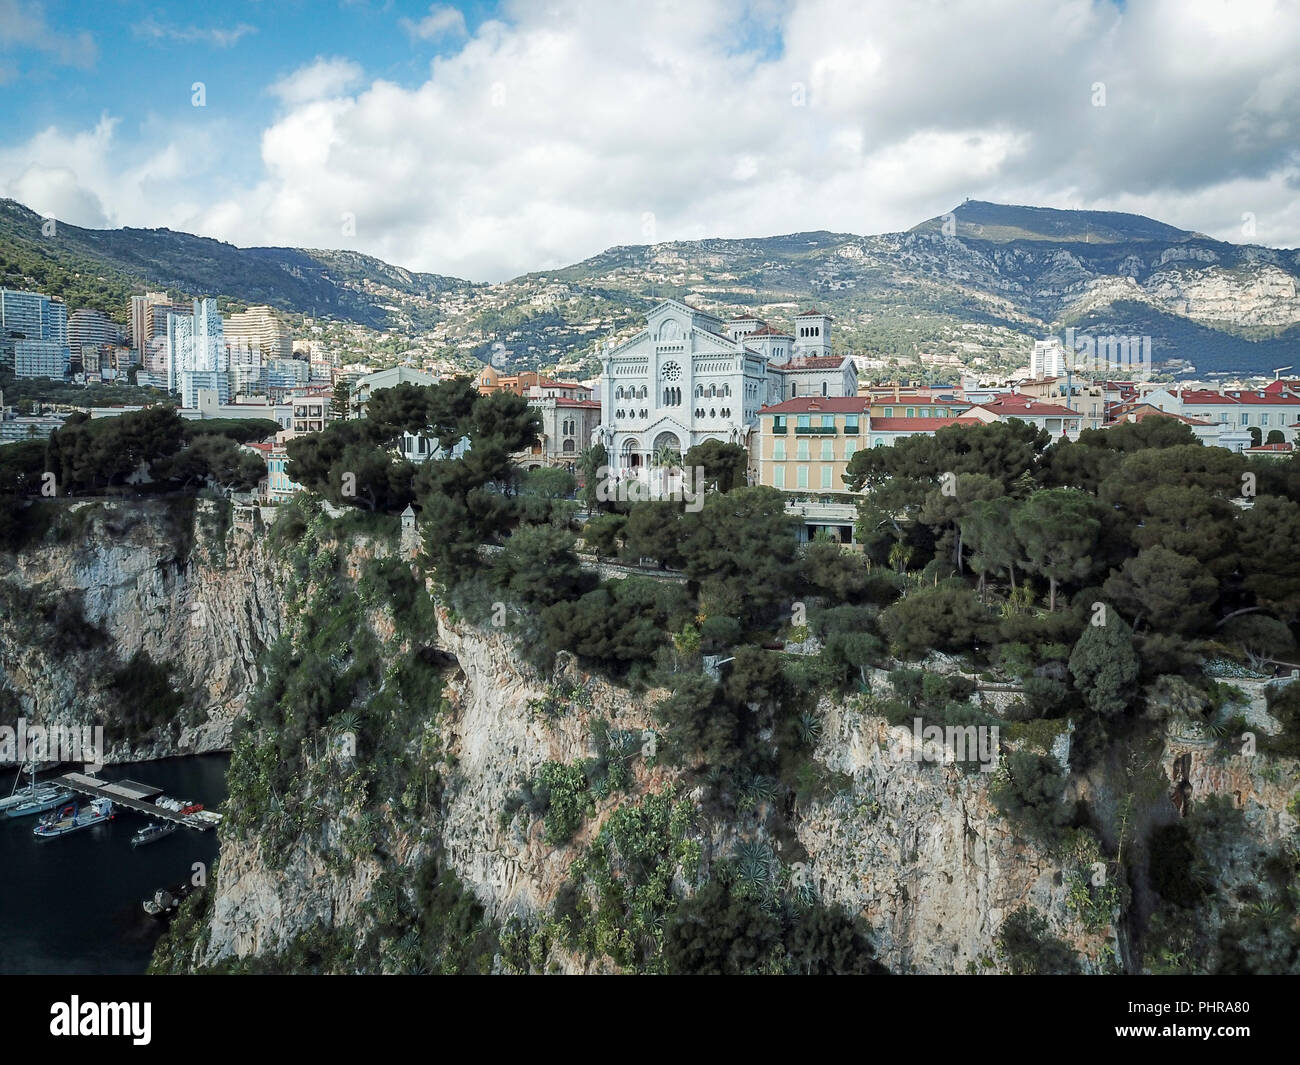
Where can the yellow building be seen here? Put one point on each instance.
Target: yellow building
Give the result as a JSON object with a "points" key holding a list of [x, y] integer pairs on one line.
{"points": [[803, 449]]}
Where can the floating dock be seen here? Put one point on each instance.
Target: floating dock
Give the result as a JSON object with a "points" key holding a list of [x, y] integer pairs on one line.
{"points": [[134, 796]]}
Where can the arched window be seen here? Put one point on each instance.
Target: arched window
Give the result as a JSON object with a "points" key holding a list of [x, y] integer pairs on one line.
{"points": [[823, 388]]}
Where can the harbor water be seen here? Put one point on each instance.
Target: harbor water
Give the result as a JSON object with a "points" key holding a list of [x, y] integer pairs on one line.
{"points": [[72, 904]]}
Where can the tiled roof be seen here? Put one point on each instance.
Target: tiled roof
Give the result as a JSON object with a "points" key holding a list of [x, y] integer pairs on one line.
{"points": [[1271, 447], [813, 362], [915, 425], [1016, 406], [768, 331], [813, 312], [1141, 411], [1206, 397], [918, 401], [562, 402], [819, 405]]}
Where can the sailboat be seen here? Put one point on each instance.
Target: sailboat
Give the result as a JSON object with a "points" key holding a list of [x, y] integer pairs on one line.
{"points": [[73, 817], [34, 798]]}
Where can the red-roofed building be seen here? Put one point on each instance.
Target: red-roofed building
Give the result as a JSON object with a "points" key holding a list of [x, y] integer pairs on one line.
{"points": [[1272, 411], [1059, 421]]}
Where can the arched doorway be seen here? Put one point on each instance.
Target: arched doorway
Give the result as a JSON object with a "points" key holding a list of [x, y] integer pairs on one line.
{"points": [[630, 454]]}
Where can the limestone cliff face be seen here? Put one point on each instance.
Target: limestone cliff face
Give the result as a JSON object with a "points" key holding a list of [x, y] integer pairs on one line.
{"points": [[495, 743], [204, 609], [917, 848]]}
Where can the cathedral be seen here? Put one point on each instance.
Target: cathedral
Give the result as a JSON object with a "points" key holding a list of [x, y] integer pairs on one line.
{"points": [[690, 377]]}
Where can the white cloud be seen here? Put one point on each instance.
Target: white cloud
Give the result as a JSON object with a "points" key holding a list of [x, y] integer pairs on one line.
{"points": [[318, 80], [217, 36], [23, 25], [441, 21], [553, 132]]}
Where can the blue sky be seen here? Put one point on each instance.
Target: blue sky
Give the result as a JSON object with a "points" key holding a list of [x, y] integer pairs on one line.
{"points": [[145, 57], [485, 140]]}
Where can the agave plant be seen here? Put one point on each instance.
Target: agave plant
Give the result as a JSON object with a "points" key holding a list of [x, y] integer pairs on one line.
{"points": [[754, 866], [810, 729]]}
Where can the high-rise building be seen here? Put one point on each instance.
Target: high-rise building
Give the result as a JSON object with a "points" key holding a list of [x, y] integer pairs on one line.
{"points": [[149, 314], [1047, 359], [38, 320], [41, 358], [90, 328], [261, 328], [196, 345]]}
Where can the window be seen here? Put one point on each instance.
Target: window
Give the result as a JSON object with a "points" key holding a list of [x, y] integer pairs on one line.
{"points": [[850, 446], [911, 412], [804, 422], [802, 479], [851, 425], [823, 388], [802, 453], [889, 412], [794, 389], [1263, 419], [828, 450], [778, 451], [826, 476], [778, 477], [778, 423], [828, 422], [1245, 418]]}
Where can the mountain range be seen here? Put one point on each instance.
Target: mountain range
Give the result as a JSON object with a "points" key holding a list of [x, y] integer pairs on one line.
{"points": [[976, 285]]}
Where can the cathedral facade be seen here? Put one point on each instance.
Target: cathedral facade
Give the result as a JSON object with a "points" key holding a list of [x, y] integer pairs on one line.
{"points": [[690, 377]]}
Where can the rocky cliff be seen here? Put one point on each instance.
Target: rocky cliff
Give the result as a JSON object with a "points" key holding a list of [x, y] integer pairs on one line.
{"points": [[919, 849], [122, 589]]}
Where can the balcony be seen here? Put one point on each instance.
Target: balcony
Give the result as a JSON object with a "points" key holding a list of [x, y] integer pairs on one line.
{"points": [[815, 430]]}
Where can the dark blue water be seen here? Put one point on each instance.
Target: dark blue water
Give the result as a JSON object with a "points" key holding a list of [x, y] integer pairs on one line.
{"points": [[72, 904]]}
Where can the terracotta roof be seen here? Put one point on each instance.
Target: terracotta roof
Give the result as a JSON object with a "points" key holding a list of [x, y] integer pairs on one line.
{"points": [[917, 425], [1015, 406], [813, 362], [814, 313], [560, 401], [546, 382], [768, 331], [819, 405], [1238, 397], [918, 401], [1143, 411], [1270, 447]]}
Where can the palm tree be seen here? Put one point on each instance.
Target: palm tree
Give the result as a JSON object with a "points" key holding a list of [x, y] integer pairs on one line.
{"points": [[666, 456]]}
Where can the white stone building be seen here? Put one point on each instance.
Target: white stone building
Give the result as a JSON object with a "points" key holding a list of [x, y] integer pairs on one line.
{"points": [[690, 377]]}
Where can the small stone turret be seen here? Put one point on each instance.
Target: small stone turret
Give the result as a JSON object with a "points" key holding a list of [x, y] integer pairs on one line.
{"points": [[410, 541]]}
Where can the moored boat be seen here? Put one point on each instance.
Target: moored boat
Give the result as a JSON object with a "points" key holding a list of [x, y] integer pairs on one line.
{"points": [[73, 817], [40, 801], [33, 798], [152, 832]]}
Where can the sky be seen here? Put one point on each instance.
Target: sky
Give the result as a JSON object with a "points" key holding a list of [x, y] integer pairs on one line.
{"points": [[485, 140]]}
